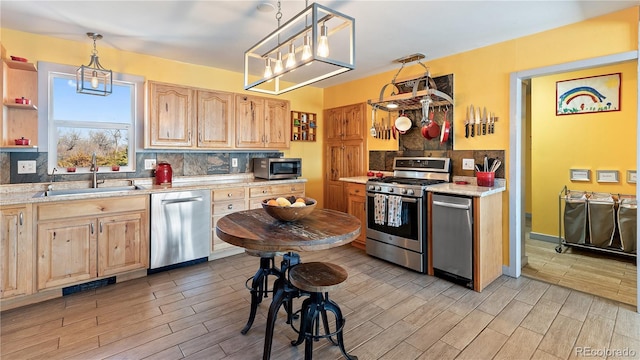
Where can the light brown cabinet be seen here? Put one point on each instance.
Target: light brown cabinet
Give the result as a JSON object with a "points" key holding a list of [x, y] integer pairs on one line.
{"points": [[345, 156], [357, 206], [262, 122], [259, 193], [16, 251], [185, 117], [19, 79], [225, 201], [87, 239]]}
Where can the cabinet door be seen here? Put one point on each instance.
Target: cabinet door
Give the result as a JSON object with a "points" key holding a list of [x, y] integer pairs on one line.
{"points": [[215, 119], [354, 122], [276, 124], [352, 159], [356, 206], [249, 122], [170, 115], [121, 244], [334, 195], [333, 119], [66, 252], [16, 252]]}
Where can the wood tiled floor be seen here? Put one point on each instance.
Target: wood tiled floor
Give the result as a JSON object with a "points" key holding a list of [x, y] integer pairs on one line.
{"points": [[392, 313], [597, 273]]}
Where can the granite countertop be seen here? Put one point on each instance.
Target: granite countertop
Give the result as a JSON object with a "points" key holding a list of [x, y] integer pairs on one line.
{"points": [[469, 189], [34, 192], [356, 179]]}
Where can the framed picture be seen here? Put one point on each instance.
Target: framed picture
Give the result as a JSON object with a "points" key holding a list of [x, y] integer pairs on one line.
{"points": [[607, 176], [632, 176], [580, 175], [588, 95]]}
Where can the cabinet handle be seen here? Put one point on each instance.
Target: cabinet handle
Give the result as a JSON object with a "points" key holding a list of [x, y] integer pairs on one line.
{"points": [[21, 218], [229, 194], [166, 107], [100, 227], [200, 137], [91, 228], [357, 191], [189, 135], [264, 191], [230, 206]]}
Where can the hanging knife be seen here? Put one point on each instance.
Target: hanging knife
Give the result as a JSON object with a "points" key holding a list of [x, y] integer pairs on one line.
{"points": [[466, 124], [484, 121], [472, 122], [478, 131]]}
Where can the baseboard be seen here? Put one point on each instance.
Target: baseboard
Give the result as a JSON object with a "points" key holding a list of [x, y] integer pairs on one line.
{"points": [[544, 237], [226, 252]]}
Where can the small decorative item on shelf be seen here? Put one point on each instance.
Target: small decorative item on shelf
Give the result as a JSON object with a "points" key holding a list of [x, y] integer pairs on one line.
{"points": [[71, 169], [22, 141], [22, 100], [16, 58]]}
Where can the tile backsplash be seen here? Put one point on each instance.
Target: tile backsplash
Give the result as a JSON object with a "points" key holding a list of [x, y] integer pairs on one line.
{"points": [[182, 164]]}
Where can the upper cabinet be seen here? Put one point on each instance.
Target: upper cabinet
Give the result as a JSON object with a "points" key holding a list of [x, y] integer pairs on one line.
{"points": [[185, 117], [262, 123], [19, 119], [345, 123]]}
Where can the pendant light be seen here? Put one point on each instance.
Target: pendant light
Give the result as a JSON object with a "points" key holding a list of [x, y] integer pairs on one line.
{"points": [[277, 68], [94, 79], [291, 58], [306, 48], [323, 42], [267, 68]]}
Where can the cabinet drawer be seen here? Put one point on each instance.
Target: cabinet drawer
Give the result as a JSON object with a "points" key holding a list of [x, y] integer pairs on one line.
{"points": [[271, 190], [257, 202], [95, 207], [354, 189], [228, 194], [225, 207]]}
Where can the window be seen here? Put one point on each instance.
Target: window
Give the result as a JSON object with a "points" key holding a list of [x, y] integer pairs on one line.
{"points": [[80, 125]]}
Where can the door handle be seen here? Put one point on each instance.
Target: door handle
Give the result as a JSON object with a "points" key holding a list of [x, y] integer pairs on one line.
{"points": [[21, 218], [449, 205], [178, 201]]}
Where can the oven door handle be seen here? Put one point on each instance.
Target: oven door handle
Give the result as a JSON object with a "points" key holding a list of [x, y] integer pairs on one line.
{"points": [[450, 205], [404, 199]]}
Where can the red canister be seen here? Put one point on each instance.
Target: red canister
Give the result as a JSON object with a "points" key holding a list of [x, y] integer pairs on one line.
{"points": [[164, 174]]}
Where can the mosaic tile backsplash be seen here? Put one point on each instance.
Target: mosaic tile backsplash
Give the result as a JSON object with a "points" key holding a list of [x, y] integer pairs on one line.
{"points": [[182, 164]]}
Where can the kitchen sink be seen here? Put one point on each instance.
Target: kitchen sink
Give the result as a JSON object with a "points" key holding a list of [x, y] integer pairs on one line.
{"points": [[64, 192]]}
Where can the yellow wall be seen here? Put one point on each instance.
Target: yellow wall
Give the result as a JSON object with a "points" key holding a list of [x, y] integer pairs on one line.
{"points": [[308, 99], [596, 141], [481, 76]]}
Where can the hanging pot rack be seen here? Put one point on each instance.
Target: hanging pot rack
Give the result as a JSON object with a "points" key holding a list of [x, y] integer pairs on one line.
{"points": [[411, 93]]}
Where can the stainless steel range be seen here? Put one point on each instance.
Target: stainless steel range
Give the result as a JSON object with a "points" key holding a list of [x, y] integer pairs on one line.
{"points": [[397, 210]]}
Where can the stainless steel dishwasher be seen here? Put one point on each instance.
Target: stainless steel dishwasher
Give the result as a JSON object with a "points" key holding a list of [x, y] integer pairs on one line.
{"points": [[180, 227], [452, 238]]}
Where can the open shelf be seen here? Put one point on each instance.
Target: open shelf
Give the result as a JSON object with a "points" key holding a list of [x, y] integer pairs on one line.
{"points": [[303, 126]]}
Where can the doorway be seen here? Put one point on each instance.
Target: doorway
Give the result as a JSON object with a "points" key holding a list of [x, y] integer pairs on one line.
{"points": [[518, 141]]}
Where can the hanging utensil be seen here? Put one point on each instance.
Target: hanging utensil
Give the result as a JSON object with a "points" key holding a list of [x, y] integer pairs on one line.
{"points": [[433, 127], [484, 121], [424, 130], [472, 121], [445, 128], [373, 130], [466, 124], [477, 117]]}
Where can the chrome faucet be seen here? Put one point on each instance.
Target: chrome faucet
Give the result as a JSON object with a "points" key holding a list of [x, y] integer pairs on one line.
{"points": [[94, 172]]}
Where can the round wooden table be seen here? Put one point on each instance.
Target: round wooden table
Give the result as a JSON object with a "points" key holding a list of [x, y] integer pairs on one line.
{"points": [[257, 230]]}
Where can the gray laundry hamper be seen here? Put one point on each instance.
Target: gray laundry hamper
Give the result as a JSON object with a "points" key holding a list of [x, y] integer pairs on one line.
{"points": [[575, 218], [627, 224], [602, 219]]}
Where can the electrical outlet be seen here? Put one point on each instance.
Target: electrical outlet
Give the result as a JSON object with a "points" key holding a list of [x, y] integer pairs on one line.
{"points": [[27, 167], [468, 164], [234, 162], [149, 164]]}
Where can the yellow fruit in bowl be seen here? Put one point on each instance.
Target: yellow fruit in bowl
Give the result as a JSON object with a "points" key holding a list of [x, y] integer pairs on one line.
{"points": [[283, 201], [298, 204], [272, 202], [301, 200]]}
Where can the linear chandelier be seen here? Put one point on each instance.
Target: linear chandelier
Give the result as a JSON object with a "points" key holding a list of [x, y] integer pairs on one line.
{"points": [[314, 45], [94, 79]]}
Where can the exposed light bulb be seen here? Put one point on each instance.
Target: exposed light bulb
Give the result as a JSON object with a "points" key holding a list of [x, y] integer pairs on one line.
{"points": [[323, 42], [278, 66], [267, 68], [392, 105], [94, 80], [291, 58], [306, 48]]}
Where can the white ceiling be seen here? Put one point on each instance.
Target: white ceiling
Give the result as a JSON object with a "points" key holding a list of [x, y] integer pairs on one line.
{"points": [[216, 33]]}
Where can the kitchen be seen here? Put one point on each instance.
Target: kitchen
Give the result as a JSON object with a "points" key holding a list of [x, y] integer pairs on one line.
{"points": [[309, 98]]}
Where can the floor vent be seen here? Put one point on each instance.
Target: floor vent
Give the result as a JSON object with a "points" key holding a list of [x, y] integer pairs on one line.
{"points": [[88, 286], [176, 266]]}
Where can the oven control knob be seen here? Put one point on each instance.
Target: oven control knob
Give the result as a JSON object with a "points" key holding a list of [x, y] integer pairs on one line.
{"points": [[404, 191], [390, 190], [410, 191], [378, 188], [371, 187]]}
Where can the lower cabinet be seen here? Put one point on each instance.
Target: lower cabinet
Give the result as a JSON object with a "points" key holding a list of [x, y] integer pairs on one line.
{"points": [[82, 240], [225, 201], [16, 251], [357, 206], [259, 193]]}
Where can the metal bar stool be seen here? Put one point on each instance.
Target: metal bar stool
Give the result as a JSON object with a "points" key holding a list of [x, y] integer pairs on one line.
{"points": [[260, 281], [316, 279]]}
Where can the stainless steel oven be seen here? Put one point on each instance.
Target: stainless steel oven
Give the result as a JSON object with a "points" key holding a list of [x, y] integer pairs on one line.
{"points": [[397, 211]]}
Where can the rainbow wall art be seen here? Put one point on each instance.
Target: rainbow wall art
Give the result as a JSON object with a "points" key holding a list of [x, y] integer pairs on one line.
{"points": [[587, 95]]}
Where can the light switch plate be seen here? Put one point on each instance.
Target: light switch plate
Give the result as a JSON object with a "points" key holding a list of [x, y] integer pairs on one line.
{"points": [[468, 164], [234, 162], [27, 167], [149, 164]]}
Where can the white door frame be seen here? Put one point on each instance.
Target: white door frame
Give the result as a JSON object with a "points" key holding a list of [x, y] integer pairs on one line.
{"points": [[516, 152]]}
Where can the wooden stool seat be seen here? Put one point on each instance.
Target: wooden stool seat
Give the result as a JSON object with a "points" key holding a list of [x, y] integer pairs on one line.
{"points": [[317, 276]]}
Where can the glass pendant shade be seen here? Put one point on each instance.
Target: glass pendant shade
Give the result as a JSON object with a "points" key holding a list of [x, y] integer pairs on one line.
{"points": [[94, 79], [267, 68], [277, 68], [308, 60]]}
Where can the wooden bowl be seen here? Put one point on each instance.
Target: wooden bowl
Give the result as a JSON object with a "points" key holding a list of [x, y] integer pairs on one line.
{"points": [[289, 213]]}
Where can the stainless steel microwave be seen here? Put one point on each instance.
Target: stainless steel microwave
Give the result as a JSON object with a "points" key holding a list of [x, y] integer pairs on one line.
{"points": [[277, 168]]}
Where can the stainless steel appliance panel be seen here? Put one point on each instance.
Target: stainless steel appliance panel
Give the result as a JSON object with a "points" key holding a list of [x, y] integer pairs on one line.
{"points": [[180, 227], [452, 235], [403, 257]]}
